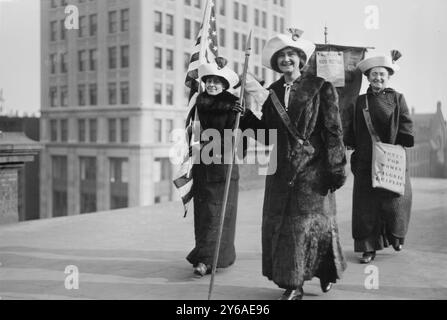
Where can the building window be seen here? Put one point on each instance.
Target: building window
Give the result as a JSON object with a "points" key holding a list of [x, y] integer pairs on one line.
{"points": [[53, 130], [93, 59], [81, 95], [264, 20], [236, 11], [53, 96], [63, 62], [87, 184], [281, 24], [81, 130], [60, 185], [64, 130], [113, 22], [236, 41], [157, 93], [244, 42], [257, 17], [187, 29], [257, 46], [124, 88], [169, 94], [53, 63], [53, 30], [169, 59], [158, 22], [222, 36], [222, 6], [112, 130], [158, 58], [170, 24], [64, 96], [119, 179], [93, 130], [93, 24], [169, 128], [93, 94], [124, 130], [124, 20], [124, 56], [275, 23], [112, 58], [244, 13], [197, 4], [187, 2], [82, 57], [62, 27], [82, 27], [157, 130], [112, 94]]}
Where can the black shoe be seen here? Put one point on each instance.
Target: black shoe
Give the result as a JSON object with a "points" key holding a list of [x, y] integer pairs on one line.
{"points": [[368, 257], [325, 286], [397, 247], [290, 294]]}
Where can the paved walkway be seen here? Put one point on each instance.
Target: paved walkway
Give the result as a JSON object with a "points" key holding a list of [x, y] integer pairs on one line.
{"points": [[140, 253]]}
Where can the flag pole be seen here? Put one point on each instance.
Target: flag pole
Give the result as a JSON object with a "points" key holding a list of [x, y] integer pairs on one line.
{"points": [[230, 169]]}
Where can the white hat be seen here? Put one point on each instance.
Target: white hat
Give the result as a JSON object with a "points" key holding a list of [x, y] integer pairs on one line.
{"points": [[221, 70], [381, 61], [282, 41]]}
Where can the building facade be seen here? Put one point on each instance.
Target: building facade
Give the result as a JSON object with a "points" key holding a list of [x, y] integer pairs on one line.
{"points": [[428, 157], [113, 90]]}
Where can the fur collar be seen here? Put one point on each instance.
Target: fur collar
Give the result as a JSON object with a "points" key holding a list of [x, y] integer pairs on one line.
{"points": [[221, 103]]}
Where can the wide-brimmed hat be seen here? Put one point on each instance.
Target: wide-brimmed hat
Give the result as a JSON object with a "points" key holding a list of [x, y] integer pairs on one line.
{"points": [[220, 69], [282, 41], [385, 61]]}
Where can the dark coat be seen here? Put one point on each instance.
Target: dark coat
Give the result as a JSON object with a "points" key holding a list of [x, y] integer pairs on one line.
{"points": [[299, 230], [379, 213], [209, 184]]}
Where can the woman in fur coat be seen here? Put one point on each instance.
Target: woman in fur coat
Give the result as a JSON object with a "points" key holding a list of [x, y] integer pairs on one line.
{"points": [[379, 218], [299, 229], [215, 110]]}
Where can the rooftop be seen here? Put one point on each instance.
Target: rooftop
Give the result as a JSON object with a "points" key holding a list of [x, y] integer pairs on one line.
{"points": [[139, 253]]}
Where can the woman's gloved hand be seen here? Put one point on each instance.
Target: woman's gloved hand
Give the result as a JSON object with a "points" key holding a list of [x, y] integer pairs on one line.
{"points": [[239, 108]]}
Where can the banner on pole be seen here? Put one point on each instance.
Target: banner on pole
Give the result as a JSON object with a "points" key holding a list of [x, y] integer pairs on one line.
{"points": [[331, 66]]}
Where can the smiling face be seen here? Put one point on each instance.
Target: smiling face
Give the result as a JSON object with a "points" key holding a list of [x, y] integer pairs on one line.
{"points": [[378, 77], [288, 60], [214, 85]]}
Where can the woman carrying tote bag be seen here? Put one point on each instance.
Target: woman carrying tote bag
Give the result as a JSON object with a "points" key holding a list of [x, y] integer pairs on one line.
{"points": [[379, 217]]}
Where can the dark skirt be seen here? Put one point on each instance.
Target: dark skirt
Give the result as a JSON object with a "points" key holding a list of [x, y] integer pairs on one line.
{"points": [[379, 218], [208, 201]]}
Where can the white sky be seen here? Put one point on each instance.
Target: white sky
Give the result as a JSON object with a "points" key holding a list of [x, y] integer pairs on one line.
{"points": [[417, 28]]}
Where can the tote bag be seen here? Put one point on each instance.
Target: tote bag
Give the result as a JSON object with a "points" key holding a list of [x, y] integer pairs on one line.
{"points": [[388, 161]]}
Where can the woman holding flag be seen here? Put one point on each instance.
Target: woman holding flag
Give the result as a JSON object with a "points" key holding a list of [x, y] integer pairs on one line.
{"points": [[299, 228], [215, 110]]}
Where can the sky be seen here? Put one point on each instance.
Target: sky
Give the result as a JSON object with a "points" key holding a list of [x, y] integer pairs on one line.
{"points": [[416, 28]]}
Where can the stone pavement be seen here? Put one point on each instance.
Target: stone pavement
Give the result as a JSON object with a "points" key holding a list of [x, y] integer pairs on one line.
{"points": [[139, 253]]}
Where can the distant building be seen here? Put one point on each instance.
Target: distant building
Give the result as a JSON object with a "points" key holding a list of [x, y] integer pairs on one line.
{"points": [[15, 151], [428, 158], [113, 91], [28, 174]]}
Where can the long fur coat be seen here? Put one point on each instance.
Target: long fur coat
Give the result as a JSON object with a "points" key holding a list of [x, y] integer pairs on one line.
{"points": [[299, 230]]}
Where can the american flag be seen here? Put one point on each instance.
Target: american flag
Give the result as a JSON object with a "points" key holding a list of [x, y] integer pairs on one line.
{"points": [[205, 50]]}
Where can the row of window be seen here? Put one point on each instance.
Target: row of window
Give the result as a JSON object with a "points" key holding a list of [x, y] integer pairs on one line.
{"points": [[88, 25], [88, 58], [240, 10], [87, 130], [118, 93], [118, 180], [63, 3]]}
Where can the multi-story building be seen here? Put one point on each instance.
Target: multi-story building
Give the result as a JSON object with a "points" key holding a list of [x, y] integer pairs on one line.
{"points": [[113, 90]]}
